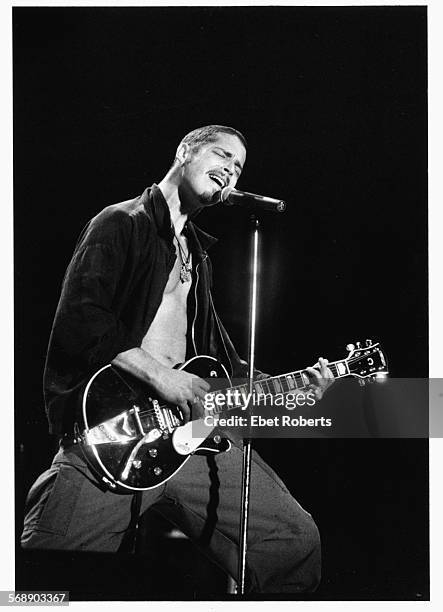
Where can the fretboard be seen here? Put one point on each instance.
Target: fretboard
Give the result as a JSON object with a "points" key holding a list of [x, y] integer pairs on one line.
{"points": [[282, 384]]}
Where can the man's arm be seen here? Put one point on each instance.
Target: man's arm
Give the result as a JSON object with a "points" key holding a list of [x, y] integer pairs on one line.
{"points": [[86, 328], [175, 386]]}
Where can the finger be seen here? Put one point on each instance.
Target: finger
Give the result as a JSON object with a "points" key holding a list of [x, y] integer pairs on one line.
{"points": [[323, 366], [198, 395], [316, 387], [326, 373], [185, 411], [320, 363], [201, 384], [314, 373], [317, 391], [197, 408]]}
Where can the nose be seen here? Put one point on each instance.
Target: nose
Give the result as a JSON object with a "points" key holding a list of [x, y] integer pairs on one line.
{"points": [[228, 166]]}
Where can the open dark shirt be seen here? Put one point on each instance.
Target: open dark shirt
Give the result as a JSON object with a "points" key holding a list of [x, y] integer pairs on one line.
{"points": [[111, 292]]}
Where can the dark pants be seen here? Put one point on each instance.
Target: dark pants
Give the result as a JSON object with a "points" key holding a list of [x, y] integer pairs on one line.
{"points": [[67, 510]]}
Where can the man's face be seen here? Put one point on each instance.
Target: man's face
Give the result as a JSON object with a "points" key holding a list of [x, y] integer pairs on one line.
{"points": [[213, 166]]}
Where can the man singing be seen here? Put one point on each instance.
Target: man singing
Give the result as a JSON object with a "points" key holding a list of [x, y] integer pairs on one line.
{"points": [[137, 294]]}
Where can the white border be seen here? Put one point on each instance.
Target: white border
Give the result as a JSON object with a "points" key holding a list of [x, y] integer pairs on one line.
{"points": [[435, 21]]}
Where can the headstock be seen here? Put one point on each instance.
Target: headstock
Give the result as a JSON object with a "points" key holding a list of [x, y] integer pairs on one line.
{"points": [[367, 362]]}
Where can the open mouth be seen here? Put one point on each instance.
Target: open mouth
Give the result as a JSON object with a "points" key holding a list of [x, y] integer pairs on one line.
{"points": [[218, 180]]}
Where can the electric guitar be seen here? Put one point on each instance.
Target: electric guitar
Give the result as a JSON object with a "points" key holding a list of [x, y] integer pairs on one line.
{"points": [[134, 441]]}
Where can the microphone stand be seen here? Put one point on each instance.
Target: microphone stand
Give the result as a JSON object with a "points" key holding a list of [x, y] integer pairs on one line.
{"points": [[247, 447]]}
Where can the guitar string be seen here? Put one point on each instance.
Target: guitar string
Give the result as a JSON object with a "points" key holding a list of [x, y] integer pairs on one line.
{"points": [[293, 374], [151, 411]]}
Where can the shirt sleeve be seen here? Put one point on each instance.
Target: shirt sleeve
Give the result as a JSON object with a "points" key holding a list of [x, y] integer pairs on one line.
{"points": [[86, 326]]}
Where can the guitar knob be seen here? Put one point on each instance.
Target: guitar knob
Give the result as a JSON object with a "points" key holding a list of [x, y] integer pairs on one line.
{"points": [[157, 471], [368, 342], [350, 347], [153, 452]]}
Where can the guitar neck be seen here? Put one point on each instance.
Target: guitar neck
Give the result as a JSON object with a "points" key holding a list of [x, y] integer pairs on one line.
{"points": [[293, 381], [282, 384]]}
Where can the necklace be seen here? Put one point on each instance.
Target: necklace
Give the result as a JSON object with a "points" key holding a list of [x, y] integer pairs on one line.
{"points": [[186, 267]]}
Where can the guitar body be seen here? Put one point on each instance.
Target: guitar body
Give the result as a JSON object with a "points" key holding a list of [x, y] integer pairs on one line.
{"points": [[133, 440]]}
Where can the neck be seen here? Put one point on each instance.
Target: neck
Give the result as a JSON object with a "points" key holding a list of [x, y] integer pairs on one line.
{"points": [[169, 189]]}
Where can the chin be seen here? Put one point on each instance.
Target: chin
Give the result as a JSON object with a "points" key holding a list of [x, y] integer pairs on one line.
{"points": [[208, 198]]}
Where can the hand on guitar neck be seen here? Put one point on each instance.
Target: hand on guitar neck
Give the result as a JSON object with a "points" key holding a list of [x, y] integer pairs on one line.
{"points": [[322, 378]]}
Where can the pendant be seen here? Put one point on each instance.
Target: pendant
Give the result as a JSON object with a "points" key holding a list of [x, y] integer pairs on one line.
{"points": [[185, 272]]}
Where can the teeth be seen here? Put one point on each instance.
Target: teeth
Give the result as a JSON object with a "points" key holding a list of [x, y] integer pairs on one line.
{"points": [[217, 179]]}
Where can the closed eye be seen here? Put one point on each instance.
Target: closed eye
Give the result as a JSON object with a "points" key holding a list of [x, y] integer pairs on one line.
{"points": [[226, 155]]}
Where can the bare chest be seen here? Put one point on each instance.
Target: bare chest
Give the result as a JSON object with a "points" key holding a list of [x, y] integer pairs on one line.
{"points": [[166, 338]]}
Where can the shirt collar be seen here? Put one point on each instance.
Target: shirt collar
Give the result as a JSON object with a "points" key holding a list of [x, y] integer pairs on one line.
{"points": [[200, 240]]}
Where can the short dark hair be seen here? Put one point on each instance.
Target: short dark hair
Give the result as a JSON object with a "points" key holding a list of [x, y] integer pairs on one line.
{"points": [[208, 133]]}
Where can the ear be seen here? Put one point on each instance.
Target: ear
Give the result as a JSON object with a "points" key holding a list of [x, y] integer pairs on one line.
{"points": [[183, 152]]}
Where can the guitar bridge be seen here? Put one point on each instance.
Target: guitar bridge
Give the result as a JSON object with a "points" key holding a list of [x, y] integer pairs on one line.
{"points": [[159, 415], [166, 419]]}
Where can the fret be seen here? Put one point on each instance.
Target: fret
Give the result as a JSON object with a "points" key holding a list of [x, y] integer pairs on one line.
{"points": [[244, 391], [232, 399], [218, 409], [291, 382], [271, 386], [333, 368], [339, 368], [277, 385], [299, 382], [284, 384], [258, 387], [265, 385]]}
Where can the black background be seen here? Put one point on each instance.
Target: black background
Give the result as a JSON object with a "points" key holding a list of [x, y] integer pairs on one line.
{"points": [[333, 104]]}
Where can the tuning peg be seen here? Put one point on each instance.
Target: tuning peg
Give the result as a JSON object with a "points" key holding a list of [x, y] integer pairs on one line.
{"points": [[358, 345], [350, 347], [361, 382], [368, 342]]}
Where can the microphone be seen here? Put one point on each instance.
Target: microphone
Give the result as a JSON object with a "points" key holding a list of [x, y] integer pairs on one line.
{"points": [[233, 197]]}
